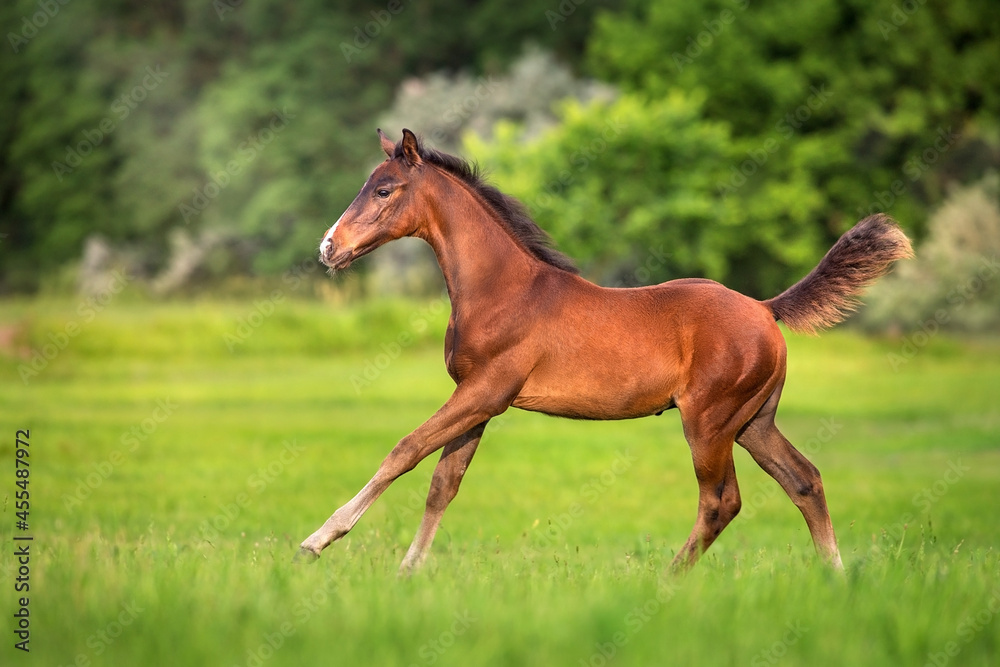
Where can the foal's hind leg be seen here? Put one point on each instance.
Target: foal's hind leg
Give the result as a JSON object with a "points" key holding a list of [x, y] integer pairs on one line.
{"points": [[711, 419], [797, 476], [718, 499], [444, 486]]}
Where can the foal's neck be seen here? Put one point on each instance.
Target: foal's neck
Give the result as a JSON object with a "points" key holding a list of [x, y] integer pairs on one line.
{"points": [[477, 254]]}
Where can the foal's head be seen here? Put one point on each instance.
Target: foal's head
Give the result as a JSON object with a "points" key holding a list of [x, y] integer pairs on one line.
{"points": [[381, 212]]}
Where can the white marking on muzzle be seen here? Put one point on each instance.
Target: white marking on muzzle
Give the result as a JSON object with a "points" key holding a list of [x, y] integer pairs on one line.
{"points": [[328, 239]]}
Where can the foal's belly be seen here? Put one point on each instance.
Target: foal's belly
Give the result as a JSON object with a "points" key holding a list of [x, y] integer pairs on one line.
{"points": [[577, 407], [606, 392]]}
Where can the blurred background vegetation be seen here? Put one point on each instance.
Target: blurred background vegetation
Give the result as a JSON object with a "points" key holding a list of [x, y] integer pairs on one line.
{"points": [[207, 146]]}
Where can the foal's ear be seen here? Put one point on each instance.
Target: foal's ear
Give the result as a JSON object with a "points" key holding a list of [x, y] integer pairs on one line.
{"points": [[411, 152], [387, 145]]}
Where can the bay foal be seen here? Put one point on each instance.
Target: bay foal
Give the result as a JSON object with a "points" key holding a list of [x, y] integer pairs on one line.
{"points": [[527, 331]]}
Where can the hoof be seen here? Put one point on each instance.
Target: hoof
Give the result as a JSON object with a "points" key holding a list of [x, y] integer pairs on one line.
{"points": [[304, 555]]}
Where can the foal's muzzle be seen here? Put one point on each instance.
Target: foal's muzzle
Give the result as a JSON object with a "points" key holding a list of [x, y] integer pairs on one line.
{"points": [[331, 256], [338, 259]]}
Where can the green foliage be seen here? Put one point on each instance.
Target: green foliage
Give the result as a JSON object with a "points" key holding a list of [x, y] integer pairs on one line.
{"points": [[808, 118], [954, 281], [846, 107], [247, 126], [442, 107], [94, 143]]}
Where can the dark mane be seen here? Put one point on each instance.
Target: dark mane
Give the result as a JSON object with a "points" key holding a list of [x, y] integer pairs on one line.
{"points": [[511, 212]]}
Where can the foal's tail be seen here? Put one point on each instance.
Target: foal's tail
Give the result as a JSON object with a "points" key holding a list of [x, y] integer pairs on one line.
{"points": [[859, 257]]}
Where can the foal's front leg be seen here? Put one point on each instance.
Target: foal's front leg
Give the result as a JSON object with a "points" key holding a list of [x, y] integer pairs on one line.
{"points": [[469, 406], [447, 477]]}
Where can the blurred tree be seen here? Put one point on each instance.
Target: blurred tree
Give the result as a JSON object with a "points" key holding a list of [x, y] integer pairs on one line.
{"points": [[954, 281], [248, 126], [838, 108], [225, 119], [442, 106]]}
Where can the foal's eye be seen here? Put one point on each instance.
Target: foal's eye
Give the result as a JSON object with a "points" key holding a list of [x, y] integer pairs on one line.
{"points": [[382, 193]]}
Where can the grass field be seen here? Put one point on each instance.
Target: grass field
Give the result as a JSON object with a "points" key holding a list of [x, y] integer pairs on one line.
{"points": [[180, 452]]}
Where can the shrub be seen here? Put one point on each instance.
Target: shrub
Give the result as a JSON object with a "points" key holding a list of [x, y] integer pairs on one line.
{"points": [[954, 281]]}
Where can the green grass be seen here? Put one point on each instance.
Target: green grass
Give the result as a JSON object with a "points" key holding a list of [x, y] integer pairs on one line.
{"points": [[179, 542]]}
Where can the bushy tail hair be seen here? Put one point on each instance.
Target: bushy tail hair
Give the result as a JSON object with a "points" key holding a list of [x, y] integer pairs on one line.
{"points": [[829, 292]]}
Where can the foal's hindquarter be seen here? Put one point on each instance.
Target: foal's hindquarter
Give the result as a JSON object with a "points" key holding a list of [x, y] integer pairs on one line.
{"points": [[633, 353]]}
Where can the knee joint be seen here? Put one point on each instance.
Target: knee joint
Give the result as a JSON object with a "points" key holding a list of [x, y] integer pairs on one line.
{"points": [[734, 506]]}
